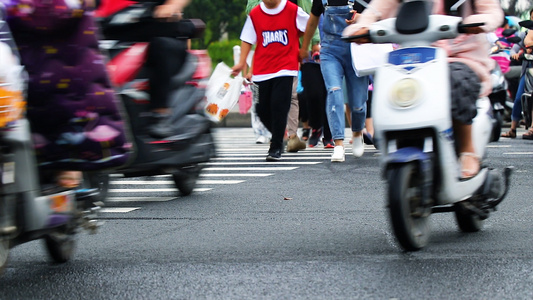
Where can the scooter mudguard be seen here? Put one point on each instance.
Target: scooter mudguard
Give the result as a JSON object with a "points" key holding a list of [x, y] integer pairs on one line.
{"points": [[407, 154], [423, 160], [411, 154]]}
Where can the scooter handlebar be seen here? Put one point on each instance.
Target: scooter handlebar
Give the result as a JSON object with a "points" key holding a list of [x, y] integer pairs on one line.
{"points": [[353, 38], [463, 28]]}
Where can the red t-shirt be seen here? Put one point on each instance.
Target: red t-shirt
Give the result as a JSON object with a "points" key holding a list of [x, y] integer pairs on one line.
{"points": [[277, 46]]}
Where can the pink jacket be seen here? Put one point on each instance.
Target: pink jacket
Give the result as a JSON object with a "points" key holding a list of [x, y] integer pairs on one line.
{"points": [[470, 49]]}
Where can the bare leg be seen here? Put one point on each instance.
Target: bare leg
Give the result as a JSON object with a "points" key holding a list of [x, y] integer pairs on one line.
{"points": [[469, 163], [339, 142], [369, 125]]}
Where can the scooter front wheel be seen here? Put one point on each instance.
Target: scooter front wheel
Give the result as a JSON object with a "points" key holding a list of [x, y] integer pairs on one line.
{"points": [[409, 218], [60, 245]]}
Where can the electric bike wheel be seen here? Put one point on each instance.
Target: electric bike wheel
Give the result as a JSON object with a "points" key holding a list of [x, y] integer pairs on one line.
{"points": [[409, 219], [4, 253], [466, 220], [60, 244], [185, 179]]}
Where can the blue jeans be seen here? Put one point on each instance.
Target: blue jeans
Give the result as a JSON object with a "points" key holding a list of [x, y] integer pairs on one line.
{"points": [[516, 113], [336, 65]]}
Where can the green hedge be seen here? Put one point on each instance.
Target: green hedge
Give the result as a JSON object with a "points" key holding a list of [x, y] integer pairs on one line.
{"points": [[222, 51]]}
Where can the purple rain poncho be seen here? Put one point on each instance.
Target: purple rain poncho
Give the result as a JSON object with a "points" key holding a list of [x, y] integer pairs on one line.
{"points": [[74, 114]]}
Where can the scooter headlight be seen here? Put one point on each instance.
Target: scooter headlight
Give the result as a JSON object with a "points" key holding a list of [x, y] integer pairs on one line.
{"points": [[406, 92]]}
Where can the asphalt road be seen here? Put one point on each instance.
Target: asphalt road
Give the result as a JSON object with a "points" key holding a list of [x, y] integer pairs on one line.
{"points": [[287, 230]]}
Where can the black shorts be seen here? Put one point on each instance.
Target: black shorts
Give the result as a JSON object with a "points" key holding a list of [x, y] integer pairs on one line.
{"points": [[465, 87]]}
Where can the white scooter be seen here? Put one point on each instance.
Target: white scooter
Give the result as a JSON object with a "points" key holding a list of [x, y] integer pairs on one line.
{"points": [[413, 127]]}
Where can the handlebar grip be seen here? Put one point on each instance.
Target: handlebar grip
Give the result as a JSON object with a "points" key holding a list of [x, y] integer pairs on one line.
{"points": [[461, 27], [350, 38]]}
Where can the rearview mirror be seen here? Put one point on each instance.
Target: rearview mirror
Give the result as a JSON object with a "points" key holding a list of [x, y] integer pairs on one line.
{"points": [[514, 39], [508, 32], [527, 24]]}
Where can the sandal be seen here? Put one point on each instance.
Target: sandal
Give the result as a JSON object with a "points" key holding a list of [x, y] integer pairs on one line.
{"points": [[467, 173], [528, 135], [509, 134]]}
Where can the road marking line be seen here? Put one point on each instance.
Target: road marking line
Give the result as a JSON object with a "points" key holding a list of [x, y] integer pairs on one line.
{"points": [[258, 158], [235, 175], [141, 190], [236, 154], [153, 190], [518, 153], [119, 182], [138, 199], [118, 209], [219, 181], [250, 168], [263, 163], [140, 182]]}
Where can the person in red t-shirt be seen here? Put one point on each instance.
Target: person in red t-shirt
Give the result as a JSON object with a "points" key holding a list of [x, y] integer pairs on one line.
{"points": [[275, 27]]}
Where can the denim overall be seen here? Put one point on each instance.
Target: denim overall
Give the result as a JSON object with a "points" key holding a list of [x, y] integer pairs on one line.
{"points": [[336, 65]]}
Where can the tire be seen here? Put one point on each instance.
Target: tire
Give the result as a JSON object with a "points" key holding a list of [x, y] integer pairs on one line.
{"points": [[60, 245], [410, 221], [4, 254], [467, 221], [185, 179], [497, 129]]}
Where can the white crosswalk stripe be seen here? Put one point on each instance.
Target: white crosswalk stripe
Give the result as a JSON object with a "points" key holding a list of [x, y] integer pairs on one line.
{"points": [[238, 159]]}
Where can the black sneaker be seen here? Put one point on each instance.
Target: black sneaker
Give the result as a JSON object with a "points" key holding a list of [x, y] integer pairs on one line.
{"points": [[160, 126], [316, 134], [274, 155]]}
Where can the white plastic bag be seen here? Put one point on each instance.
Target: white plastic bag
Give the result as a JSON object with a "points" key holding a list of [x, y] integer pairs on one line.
{"points": [[223, 92], [367, 58]]}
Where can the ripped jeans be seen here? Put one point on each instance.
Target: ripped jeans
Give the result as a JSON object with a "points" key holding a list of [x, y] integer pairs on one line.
{"points": [[336, 64]]}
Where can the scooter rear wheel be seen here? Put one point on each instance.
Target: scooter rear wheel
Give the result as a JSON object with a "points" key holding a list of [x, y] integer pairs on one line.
{"points": [[185, 179], [60, 245], [409, 218], [466, 220], [4, 254]]}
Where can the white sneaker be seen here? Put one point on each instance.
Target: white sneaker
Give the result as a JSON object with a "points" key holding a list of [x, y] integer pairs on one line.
{"points": [[338, 154], [261, 140], [358, 146]]}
